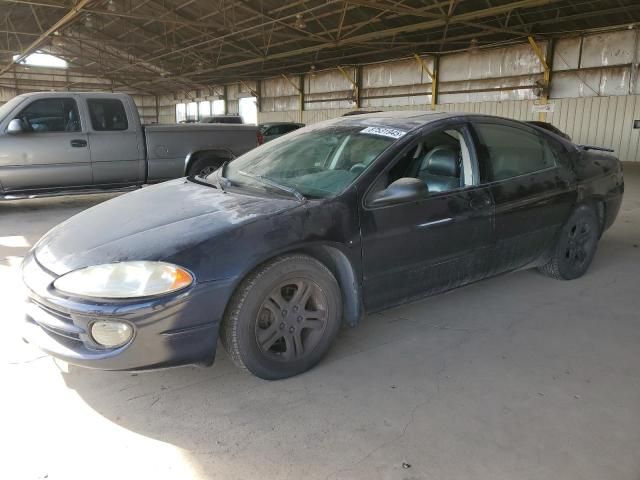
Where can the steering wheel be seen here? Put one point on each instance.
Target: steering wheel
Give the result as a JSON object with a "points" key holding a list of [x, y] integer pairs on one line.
{"points": [[357, 168], [26, 124]]}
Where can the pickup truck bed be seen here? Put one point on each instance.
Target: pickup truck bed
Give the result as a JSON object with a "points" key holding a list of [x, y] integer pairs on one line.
{"points": [[169, 147]]}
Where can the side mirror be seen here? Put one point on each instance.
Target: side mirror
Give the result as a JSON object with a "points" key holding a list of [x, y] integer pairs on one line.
{"points": [[15, 126], [402, 190]]}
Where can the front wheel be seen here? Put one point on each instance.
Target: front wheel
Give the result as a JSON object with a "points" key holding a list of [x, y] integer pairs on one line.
{"points": [[283, 317], [576, 245]]}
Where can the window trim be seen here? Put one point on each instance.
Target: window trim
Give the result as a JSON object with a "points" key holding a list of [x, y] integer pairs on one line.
{"points": [[496, 182], [19, 111], [517, 126], [456, 123]]}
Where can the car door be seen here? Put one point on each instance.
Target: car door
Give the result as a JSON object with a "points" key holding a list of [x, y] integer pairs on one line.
{"points": [[433, 243], [52, 151], [117, 154], [530, 183]]}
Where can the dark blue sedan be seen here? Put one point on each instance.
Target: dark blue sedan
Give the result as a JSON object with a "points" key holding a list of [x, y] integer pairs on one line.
{"points": [[274, 251]]}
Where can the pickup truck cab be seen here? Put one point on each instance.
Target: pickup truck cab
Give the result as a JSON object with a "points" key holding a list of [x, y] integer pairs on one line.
{"points": [[52, 142]]}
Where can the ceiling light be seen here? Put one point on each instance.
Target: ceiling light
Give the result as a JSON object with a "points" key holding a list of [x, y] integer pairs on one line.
{"points": [[88, 21], [58, 42], [312, 70], [473, 46], [111, 6], [299, 23]]}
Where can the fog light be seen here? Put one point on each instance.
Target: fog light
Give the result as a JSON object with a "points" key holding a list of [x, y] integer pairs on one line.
{"points": [[111, 334]]}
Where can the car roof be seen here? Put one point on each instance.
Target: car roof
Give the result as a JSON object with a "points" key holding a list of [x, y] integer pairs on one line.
{"points": [[67, 94], [410, 119], [405, 120], [280, 123]]}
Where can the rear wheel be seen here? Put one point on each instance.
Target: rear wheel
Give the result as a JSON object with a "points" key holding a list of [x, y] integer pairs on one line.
{"points": [[576, 245], [204, 166], [283, 317]]}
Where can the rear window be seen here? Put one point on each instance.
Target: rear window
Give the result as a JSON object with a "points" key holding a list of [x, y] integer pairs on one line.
{"points": [[107, 115]]}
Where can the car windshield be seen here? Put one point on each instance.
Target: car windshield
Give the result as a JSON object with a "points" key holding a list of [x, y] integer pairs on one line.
{"points": [[315, 163]]}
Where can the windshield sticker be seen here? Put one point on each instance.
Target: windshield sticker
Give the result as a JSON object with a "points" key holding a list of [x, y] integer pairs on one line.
{"points": [[385, 132]]}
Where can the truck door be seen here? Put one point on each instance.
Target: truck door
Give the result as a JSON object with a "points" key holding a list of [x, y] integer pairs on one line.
{"points": [[52, 150], [117, 156]]}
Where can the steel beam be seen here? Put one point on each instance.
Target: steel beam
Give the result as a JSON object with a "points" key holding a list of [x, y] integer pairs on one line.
{"points": [[66, 19], [478, 14]]}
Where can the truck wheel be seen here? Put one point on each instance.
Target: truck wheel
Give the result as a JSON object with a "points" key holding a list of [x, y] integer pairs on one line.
{"points": [[204, 166], [283, 317], [576, 246]]}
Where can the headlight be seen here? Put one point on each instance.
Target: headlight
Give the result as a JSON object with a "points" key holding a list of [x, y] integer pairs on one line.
{"points": [[125, 280]]}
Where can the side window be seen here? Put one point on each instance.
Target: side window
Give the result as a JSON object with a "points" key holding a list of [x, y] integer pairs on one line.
{"points": [[441, 159], [51, 115], [507, 152], [107, 115]]}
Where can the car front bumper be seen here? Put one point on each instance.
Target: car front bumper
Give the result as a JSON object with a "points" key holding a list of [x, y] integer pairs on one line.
{"points": [[168, 331]]}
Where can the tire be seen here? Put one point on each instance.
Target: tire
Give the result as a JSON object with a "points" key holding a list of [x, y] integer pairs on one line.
{"points": [[283, 317], [576, 245], [204, 166]]}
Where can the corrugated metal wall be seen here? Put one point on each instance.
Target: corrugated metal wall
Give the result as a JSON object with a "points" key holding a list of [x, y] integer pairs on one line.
{"points": [[603, 121]]}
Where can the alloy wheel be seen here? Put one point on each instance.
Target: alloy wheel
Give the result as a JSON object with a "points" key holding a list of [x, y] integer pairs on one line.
{"points": [[292, 320], [579, 244]]}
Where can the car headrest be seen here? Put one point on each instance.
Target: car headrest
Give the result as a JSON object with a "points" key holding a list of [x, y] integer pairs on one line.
{"points": [[441, 160]]}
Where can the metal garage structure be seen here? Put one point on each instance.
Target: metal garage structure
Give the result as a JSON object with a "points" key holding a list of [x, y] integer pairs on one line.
{"points": [[316, 59]]}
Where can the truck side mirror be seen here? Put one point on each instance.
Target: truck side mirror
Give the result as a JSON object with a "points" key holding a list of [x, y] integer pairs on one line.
{"points": [[15, 126]]}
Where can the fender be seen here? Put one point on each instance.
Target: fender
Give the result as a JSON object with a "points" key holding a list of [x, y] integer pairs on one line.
{"points": [[338, 262]]}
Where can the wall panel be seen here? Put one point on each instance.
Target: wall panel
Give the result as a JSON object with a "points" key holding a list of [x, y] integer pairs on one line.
{"points": [[601, 121]]}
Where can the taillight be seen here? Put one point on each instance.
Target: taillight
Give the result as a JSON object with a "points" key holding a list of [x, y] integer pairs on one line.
{"points": [[260, 137]]}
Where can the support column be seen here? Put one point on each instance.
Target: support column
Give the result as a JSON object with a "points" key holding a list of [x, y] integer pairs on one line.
{"points": [[432, 75], [259, 97], [300, 90], [546, 78], [356, 90], [359, 86], [302, 98], [224, 95]]}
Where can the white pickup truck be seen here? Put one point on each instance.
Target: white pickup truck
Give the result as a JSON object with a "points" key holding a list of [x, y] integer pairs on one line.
{"points": [[59, 142]]}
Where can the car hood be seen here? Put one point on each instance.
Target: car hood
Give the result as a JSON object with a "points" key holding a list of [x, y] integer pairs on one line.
{"points": [[153, 223]]}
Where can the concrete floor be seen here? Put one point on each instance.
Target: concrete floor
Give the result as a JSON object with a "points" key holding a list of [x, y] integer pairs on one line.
{"points": [[518, 377]]}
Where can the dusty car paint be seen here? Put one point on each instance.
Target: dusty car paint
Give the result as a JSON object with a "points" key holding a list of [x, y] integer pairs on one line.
{"points": [[381, 256]]}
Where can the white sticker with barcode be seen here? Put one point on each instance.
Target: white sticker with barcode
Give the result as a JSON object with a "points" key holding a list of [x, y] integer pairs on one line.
{"points": [[385, 132]]}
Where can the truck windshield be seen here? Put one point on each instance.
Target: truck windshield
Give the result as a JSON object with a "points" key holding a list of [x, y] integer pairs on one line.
{"points": [[317, 163]]}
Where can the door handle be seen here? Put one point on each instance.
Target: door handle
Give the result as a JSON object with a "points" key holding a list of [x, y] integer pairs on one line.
{"points": [[480, 202], [78, 143]]}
